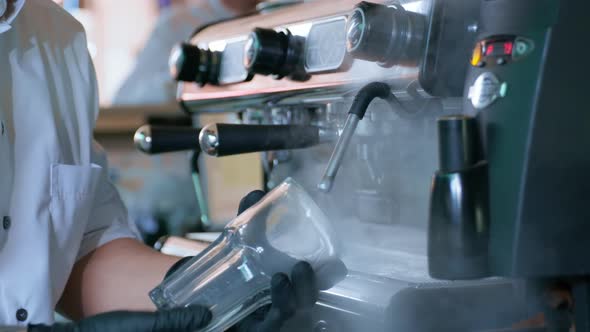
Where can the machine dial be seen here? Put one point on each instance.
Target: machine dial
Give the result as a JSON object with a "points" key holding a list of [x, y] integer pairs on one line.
{"points": [[355, 30], [388, 35], [190, 63], [277, 53]]}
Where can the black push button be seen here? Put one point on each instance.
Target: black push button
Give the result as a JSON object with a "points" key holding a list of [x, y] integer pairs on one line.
{"points": [[22, 315], [6, 222]]}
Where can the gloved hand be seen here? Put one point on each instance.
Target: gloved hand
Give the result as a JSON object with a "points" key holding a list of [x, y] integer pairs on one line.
{"points": [[289, 294], [175, 320]]}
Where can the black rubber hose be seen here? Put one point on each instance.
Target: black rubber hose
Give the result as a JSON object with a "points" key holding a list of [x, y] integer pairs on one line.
{"points": [[366, 95]]}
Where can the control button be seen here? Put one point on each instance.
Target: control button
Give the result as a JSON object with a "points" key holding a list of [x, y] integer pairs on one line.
{"points": [[485, 90], [522, 47], [189, 63], [266, 51], [477, 55], [6, 222], [501, 61], [22, 315], [277, 53], [503, 89], [388, 35]]}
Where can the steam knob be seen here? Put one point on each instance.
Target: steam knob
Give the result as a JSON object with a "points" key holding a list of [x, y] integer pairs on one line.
{"points": [[190, 63], [278, 53], [388, 35]]}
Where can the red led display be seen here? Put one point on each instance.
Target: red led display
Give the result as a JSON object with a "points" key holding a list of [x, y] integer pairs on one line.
{"points": [[490, 49], [508, 47]]}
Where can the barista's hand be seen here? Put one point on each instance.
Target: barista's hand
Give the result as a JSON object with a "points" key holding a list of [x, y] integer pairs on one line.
{"points": [[289, 295], [175, 320]]}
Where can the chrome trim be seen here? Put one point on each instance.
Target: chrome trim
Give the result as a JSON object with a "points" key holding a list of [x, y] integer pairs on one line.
{"points": [[209, 140], [143, 139]]}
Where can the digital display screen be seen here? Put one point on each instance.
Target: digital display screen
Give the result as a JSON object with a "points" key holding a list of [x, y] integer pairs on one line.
{"points": [[499, 48]]}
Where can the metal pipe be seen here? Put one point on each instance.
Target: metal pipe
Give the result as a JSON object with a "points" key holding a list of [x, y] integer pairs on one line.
{"points": [[199, 194], [356, 113], [327, 182]]}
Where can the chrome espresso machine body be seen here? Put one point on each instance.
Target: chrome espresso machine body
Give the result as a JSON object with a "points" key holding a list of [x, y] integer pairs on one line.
{"points": [[362, 102]]}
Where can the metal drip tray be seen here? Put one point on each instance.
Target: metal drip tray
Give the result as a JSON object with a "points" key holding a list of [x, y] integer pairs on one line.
{"points": [[367, 303], [388, 289]]}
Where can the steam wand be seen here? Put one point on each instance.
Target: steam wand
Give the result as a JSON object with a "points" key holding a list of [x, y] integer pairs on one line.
{"points": [[356, 113]]}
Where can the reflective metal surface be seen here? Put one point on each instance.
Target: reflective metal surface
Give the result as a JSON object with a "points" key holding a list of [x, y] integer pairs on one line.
{"points": [[209, 140], [322, 25], [143, 139], [325, 48], [336, 159]]}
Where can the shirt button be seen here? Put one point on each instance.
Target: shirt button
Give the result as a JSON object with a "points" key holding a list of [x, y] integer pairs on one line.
{"points": [[22, 315], [6, 223]]}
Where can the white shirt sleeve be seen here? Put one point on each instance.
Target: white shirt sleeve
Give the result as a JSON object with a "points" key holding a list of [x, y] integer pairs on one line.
{"points": [[108, 218]]}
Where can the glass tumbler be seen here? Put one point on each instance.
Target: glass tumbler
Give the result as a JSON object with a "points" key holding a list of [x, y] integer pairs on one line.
{"points": [[232, 276]]}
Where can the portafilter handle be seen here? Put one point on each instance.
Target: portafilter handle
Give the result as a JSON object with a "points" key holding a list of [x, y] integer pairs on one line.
{"points": [[222, 139], [156, 139]]}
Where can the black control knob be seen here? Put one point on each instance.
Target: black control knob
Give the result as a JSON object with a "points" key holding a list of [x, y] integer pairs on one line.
{"points": [[277, 53], [190, 63], [388, 35]]}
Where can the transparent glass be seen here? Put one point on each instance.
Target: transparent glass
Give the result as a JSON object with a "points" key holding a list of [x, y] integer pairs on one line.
{"points": [[232, 276]]}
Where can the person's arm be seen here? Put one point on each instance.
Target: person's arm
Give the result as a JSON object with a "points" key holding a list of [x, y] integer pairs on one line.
{"points": [[113, 270], [116, 276]]}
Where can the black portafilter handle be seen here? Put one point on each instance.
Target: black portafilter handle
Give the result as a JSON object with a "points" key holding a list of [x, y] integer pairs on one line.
{"points": [[160, 139], [230, 139], [458, 231]]}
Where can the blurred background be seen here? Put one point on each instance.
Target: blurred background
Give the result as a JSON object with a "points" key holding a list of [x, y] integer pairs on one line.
{"points": [[130, 42]]}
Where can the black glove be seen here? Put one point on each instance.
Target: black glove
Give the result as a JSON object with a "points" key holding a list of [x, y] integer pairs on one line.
{"points": [[289, 295], [176, 320]]}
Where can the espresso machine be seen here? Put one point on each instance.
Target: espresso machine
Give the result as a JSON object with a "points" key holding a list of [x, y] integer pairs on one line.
{"points": [[362, 102]]}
